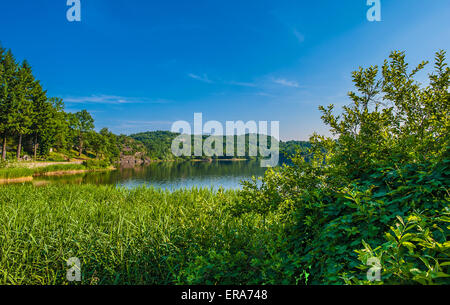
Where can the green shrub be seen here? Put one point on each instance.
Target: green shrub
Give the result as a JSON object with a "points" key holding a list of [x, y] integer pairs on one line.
{"points": [[56, 157], [417, 251], [390, 156], [96, 164]]}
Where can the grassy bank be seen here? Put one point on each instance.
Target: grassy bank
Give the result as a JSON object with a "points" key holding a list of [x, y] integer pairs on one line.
{"points": [[11, 173], [142, 236]]}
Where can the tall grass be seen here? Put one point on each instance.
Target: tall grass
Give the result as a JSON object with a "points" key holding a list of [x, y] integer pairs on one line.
{"points": [[21, 172], [12, 173], [122, 236], [58, 168]]}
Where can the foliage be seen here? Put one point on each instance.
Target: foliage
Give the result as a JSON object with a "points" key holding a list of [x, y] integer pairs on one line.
{"points": [[389, 157], [96, 164], [417, 251], [158, 145]]}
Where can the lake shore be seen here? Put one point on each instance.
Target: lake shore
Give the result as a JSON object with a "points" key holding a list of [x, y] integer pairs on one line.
{"points": [[27, 171]]}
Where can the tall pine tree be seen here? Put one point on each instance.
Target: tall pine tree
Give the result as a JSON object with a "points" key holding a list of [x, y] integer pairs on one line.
{"points": [[23, 112], [7, 97]]}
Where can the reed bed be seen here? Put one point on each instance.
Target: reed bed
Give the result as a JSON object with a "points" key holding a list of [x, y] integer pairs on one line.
{"points": [[123, 236], [21, 172]]}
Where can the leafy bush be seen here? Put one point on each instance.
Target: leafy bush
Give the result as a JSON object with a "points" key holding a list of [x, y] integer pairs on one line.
{"points": [[417, 251], [390, 156], [96, 164], [57, 157]]}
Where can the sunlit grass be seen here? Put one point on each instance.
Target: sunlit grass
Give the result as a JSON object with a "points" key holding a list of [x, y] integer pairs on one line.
{"points": [[21, 172], [121, 236], [13, 173]]}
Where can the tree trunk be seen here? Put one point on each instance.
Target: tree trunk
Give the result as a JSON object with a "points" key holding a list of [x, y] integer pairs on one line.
{"points": [[4, 148], [19, 147], [81, 147], [35, 146]]}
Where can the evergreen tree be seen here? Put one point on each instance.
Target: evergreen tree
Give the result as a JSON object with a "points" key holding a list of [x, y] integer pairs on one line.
{"points": [[7, 97], [22, 119], [42, 112], [2, 98]]}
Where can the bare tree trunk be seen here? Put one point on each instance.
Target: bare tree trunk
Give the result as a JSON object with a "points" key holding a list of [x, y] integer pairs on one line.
{"points": [[19, 147], [35, 146], [81, 147], [4, 148]]}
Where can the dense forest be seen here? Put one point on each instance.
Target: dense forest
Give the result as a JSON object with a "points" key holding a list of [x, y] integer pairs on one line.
{"points": [[159, 143]]}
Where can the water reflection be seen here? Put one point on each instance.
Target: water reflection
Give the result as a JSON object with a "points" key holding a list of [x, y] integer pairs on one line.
{"points": [[169, 175]]}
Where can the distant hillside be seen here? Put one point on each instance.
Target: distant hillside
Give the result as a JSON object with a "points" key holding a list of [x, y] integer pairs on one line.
{"points": [[158, 145]]}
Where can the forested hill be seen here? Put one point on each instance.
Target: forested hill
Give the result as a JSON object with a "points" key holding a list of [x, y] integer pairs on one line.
{"points": [[158, 145]]}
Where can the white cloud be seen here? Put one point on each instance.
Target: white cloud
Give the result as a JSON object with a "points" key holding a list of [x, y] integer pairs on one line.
{"points": [[300, 37], [111, 100], [141, 124], [203, 78], [285, 82], [265, 94], [242, 84]]}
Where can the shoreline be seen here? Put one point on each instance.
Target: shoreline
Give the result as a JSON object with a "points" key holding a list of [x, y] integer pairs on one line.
{"points": [[69, 172], [16, 180], [5, 181]]}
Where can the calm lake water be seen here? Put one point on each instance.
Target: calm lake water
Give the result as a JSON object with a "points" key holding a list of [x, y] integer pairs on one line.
{"points": [[169, 175]]}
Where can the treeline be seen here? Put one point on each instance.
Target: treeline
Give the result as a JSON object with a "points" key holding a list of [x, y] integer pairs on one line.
{"points": [[158, 145], [30, 118]]}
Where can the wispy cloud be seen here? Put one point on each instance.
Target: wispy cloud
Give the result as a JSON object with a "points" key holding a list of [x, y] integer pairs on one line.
{"points": [[265, 94], [241, 84], [204, 78], [111, 100], [286, 83], [300, 37], [131, 124]]}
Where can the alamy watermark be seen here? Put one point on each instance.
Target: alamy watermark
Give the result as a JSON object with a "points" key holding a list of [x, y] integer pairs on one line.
{"points": [[374, 12], [74, 271], [374, 272], [74, 12], [261, 141]]}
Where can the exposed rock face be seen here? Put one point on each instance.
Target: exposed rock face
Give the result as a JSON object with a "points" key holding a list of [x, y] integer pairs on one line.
{"points": [[134, 160]]}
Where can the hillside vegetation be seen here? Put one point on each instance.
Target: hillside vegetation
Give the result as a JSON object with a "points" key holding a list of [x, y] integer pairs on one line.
{"points": [[158, 145]]}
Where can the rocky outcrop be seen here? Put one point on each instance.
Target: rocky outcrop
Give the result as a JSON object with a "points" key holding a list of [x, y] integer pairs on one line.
{"points": [[134, 160]]}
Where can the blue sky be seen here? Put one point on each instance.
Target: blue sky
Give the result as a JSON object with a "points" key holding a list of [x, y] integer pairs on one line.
{"points": [[141, 65]]}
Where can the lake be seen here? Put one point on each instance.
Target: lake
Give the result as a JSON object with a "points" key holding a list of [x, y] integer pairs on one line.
{"points": [[169, 175]]}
